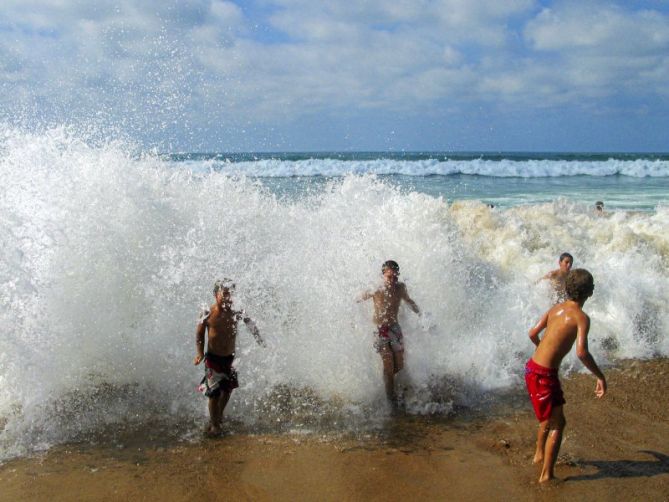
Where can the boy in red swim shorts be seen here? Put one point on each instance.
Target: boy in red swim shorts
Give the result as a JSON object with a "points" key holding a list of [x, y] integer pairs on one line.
{"points": [[565, 324]]}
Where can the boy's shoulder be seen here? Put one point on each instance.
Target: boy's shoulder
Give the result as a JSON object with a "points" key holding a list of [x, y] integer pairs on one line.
{"points": [[205, 313], [573, 308]]}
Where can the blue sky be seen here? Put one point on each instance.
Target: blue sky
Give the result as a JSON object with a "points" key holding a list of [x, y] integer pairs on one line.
{"points": [[310, 75]]}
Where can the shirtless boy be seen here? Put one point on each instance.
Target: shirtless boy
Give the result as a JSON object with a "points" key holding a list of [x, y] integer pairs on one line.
{"points": [[220, 323], [558, 276], [565, 324], [389, 343]]}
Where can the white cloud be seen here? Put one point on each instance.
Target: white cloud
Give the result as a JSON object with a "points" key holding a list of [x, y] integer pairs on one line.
{"points": [[599, 49], [207, 61], [599, 29]]}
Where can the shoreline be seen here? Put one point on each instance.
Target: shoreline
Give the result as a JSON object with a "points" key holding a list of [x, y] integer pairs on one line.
{"points": [[614, 448]]}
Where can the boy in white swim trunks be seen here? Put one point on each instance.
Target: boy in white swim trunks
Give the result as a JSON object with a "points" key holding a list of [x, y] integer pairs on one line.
{"points": [[220, 324], [389, 340]]}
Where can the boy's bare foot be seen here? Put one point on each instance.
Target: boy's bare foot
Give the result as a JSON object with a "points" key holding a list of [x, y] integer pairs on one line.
{"points": [[538, 459], [550, 481], [213, 431]]}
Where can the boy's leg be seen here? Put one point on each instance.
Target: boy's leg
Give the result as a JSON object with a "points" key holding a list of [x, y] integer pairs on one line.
{"points": [[214, 415], [556, 425], [222, 403], [398, 360], [388, 371], [542, 434]]}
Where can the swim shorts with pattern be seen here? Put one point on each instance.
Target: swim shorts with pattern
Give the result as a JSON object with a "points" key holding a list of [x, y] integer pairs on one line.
{"points": [[389, 335], [219, 375]]}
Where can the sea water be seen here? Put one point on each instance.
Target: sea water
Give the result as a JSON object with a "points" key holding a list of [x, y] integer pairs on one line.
{"points": [[108, 254]]}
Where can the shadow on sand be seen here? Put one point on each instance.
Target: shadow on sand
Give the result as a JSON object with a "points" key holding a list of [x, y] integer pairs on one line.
{"points": [[626, 468]]}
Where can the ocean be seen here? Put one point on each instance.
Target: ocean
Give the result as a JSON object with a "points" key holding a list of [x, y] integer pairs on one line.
{"points": [[109, 253]]}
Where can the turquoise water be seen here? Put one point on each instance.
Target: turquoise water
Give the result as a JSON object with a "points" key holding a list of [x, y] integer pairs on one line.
{"points": [[617, 192], [622, 181]]}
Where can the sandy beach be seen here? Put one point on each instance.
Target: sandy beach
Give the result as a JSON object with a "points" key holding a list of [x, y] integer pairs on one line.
{"points": [[614, 449]]}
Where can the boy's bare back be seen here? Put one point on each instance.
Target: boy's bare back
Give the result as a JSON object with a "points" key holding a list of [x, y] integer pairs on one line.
{"points": [[564, 324]]}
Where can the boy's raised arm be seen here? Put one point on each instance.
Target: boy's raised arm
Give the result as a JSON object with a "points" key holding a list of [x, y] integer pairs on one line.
{"points": [[583, 327]]}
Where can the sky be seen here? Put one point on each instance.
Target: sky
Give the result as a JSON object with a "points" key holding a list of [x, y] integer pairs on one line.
{"points": [[368, 75]]}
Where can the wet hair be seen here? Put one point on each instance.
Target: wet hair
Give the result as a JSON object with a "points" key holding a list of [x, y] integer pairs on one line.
{"points": [[224, 283], [599, 204], [392, 264], [579, 284], [566, 255]]}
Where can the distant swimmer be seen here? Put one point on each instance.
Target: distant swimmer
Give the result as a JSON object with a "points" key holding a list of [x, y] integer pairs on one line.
{"points": [[558, 276], [389, 341], [599, 208], [565, 324], [220, 324]]}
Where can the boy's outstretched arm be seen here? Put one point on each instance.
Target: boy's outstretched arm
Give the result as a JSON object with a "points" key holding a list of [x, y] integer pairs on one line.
{"points": [[254, 331], [548, 276], [407, 298], [538, 328], [364, 296], [583, 327], [199, 342]]}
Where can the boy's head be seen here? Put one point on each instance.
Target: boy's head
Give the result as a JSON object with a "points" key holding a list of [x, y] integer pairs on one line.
{"points": [[223, 287], [390, 267], [566, 261], [579, 284], [599, 205]]}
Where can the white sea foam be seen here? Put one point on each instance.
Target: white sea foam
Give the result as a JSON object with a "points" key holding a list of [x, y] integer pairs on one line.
{"points": [[107, 257], [638, 168]]}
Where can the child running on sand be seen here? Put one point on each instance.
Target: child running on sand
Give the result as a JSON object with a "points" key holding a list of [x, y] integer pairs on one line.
{"points": [[558, 276], [220, 323], [389, 342], [565, 324]]}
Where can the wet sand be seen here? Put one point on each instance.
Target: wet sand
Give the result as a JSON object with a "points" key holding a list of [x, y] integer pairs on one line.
{"points": [[614, 449]]}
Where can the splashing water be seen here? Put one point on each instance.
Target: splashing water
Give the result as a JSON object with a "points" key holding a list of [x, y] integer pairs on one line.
{"points": [[108, 255]]}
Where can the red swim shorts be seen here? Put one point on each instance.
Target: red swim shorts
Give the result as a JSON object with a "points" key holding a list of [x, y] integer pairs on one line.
{"points": [[544, 389]]}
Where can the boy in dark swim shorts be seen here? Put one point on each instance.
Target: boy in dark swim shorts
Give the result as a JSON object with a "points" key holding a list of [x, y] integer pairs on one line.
{"points": [[389, 340], [565, 324], [219, 375], [220, 325]]}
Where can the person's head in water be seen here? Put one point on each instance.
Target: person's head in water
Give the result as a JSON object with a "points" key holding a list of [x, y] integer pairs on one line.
{"points": [[579, 285], [599, 206], [390, 270], [566, 261], [223, 289]]}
